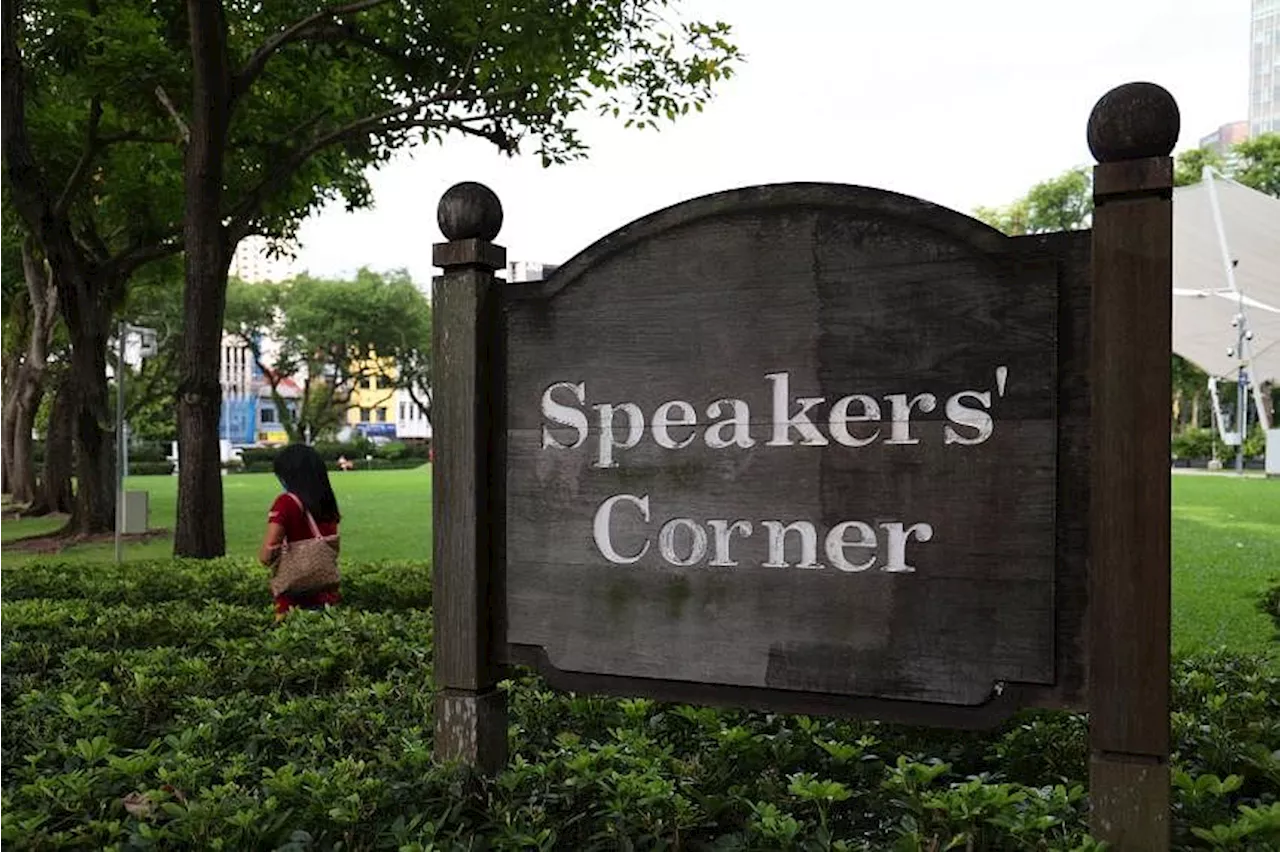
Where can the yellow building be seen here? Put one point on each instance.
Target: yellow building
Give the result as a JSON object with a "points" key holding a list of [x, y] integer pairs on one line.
{"points": [[369, 408]]}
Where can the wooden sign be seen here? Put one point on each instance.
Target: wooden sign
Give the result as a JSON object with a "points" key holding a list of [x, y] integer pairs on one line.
{"points": [[794, 438], [820, 448]]}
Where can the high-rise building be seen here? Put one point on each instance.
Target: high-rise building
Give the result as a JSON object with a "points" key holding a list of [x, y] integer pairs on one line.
{"points": [[1264, 68], [253, 261], [1221, 140], [248, 410]]}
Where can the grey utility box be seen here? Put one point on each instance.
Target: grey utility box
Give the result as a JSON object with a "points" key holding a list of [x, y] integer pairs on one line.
{"points": [[134, 512]]}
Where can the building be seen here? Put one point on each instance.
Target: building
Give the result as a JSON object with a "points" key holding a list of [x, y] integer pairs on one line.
{"points": [[371, 405], [1221, 140], [411, 423], [249, 414], [239, 376], [526, 270], [1264, 68], [254, 261], [269, 427]]}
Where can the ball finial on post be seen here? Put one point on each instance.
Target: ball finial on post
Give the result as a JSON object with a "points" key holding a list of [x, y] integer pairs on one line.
{"points": [[1134, 121], [469, 211]]}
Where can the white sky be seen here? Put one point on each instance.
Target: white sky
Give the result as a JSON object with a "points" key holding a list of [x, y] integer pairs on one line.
{"points": [[961, 102]]}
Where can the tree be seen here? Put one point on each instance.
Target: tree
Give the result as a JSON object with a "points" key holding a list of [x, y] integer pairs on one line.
{"points": [[291, 101], [34, 315], [151, 388], [91, 170], [331, 336], [1188, 166], [1259, 163], [1190, 393], [35, 369], [1063, 203], [413, 375]]}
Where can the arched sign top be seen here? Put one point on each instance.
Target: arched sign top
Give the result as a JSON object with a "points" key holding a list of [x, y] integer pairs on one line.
{"points": [[856, 201]]}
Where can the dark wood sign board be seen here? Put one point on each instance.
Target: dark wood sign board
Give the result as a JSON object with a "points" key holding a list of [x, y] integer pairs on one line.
{"points": [[826, 449], [802, 442]]}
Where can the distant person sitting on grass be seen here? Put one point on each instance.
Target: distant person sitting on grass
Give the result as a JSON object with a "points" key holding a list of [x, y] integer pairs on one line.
{"points": [[306, 510], [345, 464]]}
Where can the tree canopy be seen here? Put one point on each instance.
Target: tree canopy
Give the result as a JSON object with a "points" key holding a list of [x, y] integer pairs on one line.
{"points": [[136, 128], [1062, 203], [330, 336]]}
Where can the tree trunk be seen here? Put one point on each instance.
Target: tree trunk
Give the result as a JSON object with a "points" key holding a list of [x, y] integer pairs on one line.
{"points": [[28, 383], [55, 496], [92, 425], [85, 294], [29, 392], [8, 420], [199, 531]]}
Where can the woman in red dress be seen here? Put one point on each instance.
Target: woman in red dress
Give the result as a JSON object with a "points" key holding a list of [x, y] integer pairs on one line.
{"points": [[307, 492]]}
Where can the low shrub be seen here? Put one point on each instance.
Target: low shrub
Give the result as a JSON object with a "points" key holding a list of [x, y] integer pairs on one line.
{"points": [[1193, 444], [1269, 603], [150, 468], [149, 451], [401, 451], [159, 705], [1206, 443], [380, 464], [258, 456], [356, 449]]}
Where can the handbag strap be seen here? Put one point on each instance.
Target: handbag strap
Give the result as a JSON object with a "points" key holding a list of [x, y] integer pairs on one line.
{"points": [[315, 530]]}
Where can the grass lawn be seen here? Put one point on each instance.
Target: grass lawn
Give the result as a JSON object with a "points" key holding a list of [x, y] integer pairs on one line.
{"points": [[386, 514], [1226, 540], [1226, 550]]}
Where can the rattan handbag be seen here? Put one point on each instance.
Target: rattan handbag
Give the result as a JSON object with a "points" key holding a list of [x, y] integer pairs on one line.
{"points": [[305, 565]]}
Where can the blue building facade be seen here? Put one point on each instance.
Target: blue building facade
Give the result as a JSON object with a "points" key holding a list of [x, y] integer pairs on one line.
{"points": [[239, 421]]}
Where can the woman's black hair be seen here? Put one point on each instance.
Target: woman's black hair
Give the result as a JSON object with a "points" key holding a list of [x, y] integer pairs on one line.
{"points": [[301, 470]]}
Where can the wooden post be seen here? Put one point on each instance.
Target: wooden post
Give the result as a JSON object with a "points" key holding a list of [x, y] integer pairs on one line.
{"points": [[471, 714], [1132, 130]]}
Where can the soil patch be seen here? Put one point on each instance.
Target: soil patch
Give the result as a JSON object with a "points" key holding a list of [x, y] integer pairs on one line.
{"points": [[56, 543]]}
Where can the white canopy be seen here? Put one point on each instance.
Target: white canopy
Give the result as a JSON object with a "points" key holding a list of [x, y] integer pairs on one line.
{"points": [[1203, 300]]}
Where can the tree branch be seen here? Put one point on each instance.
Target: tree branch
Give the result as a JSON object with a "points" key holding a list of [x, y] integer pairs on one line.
{"points": [[424, 407], [29, 192], [132, 258], [240, 215], [183, 128], [81, 170], [106, 139], [245, 77]]}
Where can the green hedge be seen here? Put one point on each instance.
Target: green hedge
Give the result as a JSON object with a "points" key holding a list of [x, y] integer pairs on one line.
{"points": [[393, 455], [360, 464], [149, 452], [150, 468], [381, 464], [259, 455], [1205, 443], [159, 706]]}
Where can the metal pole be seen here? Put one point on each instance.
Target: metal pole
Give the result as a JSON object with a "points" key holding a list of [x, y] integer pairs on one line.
{"points": [[120, 332], [1228, 265], [1242, 412]]}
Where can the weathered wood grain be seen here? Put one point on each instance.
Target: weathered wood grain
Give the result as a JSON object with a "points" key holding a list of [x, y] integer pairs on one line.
{"points": [[848, 291], [1130, 579], [1071, 587], [1129, 803], [1129, 587], [470, 712]]}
